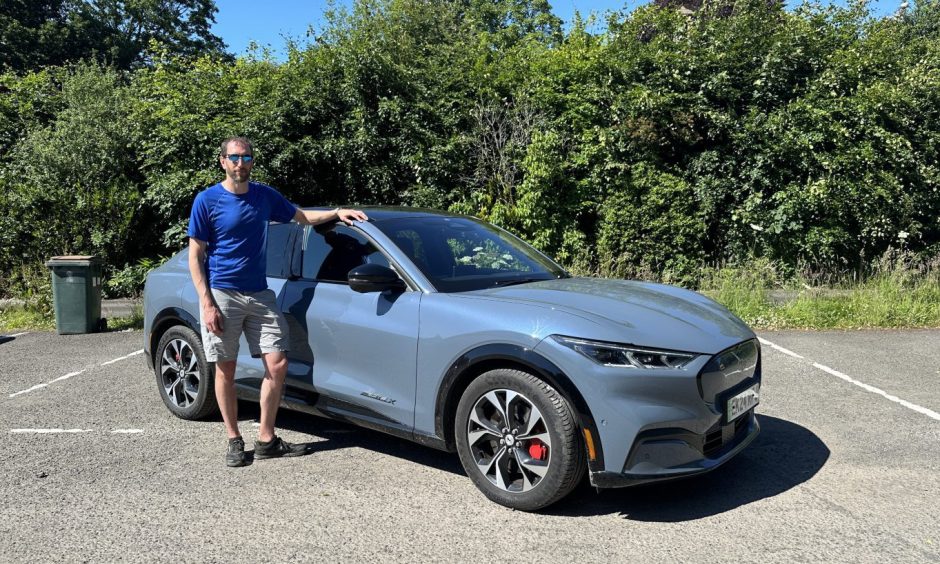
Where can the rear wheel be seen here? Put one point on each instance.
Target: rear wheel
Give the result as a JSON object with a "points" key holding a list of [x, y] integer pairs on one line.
{"points": [[518, 440], [184, 379]]}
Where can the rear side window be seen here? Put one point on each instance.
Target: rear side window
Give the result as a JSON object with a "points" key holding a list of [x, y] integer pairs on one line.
{"points": [[330, 254], [279, 249]]}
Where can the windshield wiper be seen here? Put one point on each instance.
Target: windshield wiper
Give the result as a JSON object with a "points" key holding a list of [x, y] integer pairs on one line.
{"points": [[514, 281]]}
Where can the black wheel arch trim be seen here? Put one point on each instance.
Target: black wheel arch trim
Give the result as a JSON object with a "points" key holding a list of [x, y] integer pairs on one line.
{"points": [[486, 357], [164, 320]]}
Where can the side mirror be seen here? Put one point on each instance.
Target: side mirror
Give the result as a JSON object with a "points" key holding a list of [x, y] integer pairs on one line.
{"points": [[374, 278]]}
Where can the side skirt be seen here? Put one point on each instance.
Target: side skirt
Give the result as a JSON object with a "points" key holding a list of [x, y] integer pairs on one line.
{"points": [[324, 406]]}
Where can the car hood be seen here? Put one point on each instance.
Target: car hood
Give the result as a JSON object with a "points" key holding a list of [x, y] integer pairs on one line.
{"points": [[642, 313]]}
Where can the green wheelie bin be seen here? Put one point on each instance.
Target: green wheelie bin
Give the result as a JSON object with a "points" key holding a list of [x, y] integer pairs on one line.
{"points": [[76, 294]]}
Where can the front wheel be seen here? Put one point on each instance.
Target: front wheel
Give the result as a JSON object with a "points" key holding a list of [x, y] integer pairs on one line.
{"points": [[184, 379], [518, 440]]}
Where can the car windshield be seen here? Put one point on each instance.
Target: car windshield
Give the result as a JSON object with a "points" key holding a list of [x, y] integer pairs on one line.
{"points": [[459, 254]]}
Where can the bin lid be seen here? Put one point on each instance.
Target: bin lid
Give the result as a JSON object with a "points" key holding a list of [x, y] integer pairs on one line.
{"points": [[72, 260]]}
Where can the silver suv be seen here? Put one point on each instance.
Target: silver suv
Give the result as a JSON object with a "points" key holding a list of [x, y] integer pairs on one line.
{"points": [[448, 331]]}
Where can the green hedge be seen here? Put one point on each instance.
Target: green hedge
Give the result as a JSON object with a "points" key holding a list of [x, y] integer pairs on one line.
{"points": [[661, 145]]}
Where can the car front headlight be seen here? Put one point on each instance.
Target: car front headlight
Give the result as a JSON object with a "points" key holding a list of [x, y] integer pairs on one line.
{"points": [[610, 354]]}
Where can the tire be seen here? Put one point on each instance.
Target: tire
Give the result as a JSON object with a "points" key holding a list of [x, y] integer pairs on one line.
{"points": [[545, 458], [185, 380]]}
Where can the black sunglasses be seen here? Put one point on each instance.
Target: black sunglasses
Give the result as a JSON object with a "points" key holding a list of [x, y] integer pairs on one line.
{"points": [[244, 158]]}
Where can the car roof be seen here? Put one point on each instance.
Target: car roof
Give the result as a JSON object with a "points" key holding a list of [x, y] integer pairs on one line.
{"points": [[379, 213]]}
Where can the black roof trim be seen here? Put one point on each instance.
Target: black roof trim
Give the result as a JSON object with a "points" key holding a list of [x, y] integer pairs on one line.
{"points": [[379, 213]]}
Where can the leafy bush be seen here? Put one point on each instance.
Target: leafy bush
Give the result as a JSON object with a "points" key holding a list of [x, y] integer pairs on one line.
{"points": [[662, 144], [31, 283], [69, 185], [650, 223], [128, 282]]}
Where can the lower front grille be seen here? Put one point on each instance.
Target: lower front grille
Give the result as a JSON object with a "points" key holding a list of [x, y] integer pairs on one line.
{"points": [[722, 435], [712, 443]]}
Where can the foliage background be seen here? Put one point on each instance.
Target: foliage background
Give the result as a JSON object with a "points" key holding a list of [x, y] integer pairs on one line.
{"points": [[670, 142]]}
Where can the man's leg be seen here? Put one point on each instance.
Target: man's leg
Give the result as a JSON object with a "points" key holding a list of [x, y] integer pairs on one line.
{"points": [[225, 394], [272, 388], [222, 350], [266, 333]]}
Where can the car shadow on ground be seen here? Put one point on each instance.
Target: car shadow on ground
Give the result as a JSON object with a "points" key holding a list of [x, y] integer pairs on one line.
{"points": [[783, 456]]}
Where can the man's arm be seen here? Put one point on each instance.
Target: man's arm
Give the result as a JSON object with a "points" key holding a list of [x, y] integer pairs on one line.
{"points": [[316, 217], [197, 269]]}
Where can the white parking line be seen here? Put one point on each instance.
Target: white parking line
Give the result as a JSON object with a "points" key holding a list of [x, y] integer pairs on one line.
{"points": [[868, 388], [779, 348], [27, 390], [57, 431], [66, 377], [880, 392], [18, 334], [135, 353], [48, 431], [70, 374]]}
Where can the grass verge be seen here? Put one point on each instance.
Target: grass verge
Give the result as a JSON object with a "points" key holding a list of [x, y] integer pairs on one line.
{"points": [[14, 319], [25, 319], [134, 321], [898, 293]]}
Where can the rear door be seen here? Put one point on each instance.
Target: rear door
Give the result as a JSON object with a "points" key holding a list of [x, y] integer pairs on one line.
{"points": [[358, 351]]}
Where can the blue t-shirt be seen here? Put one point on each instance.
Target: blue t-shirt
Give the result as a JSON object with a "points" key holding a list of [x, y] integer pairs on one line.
{"points": [[235, 229]]}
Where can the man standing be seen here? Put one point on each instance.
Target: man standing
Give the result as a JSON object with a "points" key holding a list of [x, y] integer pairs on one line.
{"points": [[228, 230]]}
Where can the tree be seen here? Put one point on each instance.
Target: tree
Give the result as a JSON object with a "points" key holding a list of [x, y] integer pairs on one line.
{"points": [[38, 33], [126, 28], [33, 33]]}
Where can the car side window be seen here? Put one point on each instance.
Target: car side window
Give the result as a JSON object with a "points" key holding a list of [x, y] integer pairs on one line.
{"points": [[330, 254], [279, 249]]}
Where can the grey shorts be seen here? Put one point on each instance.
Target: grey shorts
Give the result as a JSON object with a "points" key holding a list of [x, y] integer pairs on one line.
{"points": [[255, 314]]}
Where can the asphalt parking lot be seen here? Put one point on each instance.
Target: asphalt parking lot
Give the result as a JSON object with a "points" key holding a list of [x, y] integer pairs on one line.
{"points": [[846, 469]]}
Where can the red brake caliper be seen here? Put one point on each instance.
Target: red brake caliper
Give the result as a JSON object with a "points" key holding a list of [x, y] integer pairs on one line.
{"points": [[538, 450]]}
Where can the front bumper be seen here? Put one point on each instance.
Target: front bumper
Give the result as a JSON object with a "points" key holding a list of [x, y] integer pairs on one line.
{"points": [[667, 454]]}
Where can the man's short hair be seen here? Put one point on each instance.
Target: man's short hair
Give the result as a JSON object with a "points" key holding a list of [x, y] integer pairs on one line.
{"points": [[239, 140]]}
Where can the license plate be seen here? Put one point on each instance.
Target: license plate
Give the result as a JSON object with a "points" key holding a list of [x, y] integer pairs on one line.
{"points": [[741, 403]]}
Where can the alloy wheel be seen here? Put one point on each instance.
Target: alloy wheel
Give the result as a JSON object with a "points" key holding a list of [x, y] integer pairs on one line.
{"points": [[179, 371], [509, 440]]}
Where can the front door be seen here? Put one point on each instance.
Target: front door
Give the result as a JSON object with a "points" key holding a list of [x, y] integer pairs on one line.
{"points": [[357, 351]]}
